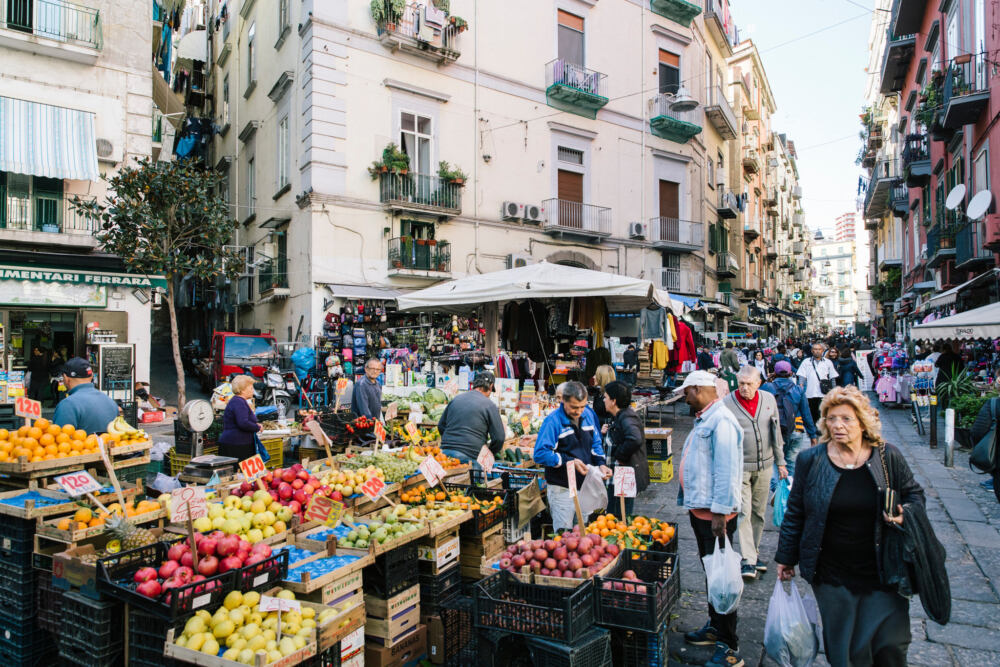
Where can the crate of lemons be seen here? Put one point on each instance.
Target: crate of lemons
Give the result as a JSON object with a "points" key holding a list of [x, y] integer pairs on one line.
{"points": [[238, 632]]}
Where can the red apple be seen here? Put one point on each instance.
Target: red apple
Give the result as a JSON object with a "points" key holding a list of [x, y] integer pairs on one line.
{"points": [[297, 483], [144, 574], [300, 497], [309, 489], [168, 569], [295, 506], [575, 563], [544, 572], [555, 573], [550, 545], [285, 491], [245, 488], [208, 566], [612, 549], [629, 574], [518, 561], [541, 554], [288, 475], [550, 563], [586, 560], [150, 588], [572, 543]]}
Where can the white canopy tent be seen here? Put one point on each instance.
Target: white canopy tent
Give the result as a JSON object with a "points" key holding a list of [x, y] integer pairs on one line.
{"points": [[983, 322]]}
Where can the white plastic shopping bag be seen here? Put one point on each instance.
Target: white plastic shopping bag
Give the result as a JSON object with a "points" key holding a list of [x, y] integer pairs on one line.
{"points": [[790, 636], [593, 494], [722, 570]]}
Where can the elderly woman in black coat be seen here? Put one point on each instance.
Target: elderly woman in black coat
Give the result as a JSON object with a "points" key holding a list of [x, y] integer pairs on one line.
{"points": [[626, 441], [836, 530]]}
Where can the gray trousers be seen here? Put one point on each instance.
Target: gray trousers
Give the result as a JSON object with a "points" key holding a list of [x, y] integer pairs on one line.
{"points": [[753, 505], [860, 630]]}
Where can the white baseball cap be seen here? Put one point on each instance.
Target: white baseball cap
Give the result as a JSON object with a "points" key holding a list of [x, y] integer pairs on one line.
{"points": [[697, 379]]}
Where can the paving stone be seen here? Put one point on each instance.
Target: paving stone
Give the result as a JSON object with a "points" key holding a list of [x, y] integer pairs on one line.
{"points": [[960, 508], [978, 534], [972, 658], [927, 654], [965, 636]]}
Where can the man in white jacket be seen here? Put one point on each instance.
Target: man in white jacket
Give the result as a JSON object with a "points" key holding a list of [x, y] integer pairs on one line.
{"points": [[814, 373]]}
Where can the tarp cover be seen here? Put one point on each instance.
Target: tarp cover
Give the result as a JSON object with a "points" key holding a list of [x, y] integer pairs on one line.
{"points": [[981, 322], [536, 281]]}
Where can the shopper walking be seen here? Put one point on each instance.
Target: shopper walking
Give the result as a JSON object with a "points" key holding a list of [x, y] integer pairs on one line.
{"points": [[757, 414], [56, 363], [471, 421], [760, 363], [626, 442], [798, 429], [729, 361], [705, 360], [836, 531], [818, 374], [847, 369], [603, 376], [710, 477], [38, 366]]}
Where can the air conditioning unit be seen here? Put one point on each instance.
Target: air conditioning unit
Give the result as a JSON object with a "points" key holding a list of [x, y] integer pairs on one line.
{"points": [[511, 210], [637, 230], [533, 213], [517, 260]]}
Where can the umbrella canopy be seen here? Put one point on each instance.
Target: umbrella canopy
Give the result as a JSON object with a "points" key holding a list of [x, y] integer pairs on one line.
{"points": [[193, 46], [981, 322], [535, 281]]}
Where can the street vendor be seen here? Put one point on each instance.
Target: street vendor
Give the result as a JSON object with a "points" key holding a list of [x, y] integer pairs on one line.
{"points": [[85, 407], [366, 400], [570, 433], [472, 420]]}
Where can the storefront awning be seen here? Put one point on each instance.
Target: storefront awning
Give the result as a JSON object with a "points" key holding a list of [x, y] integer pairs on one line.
{"points": [[746, 325], [981, 322], [44, 140], [948, 297], [925, 286], [363, 292]]}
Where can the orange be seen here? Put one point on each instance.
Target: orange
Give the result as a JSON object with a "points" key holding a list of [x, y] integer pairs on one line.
{"points": [[51, 449], [4, 434], [62, 437], [53, 430], [6, 446], [83, 515], [4, 456], [79, 435], [49, 457], [23, 431], [35, 432], [81, 526], [36, 459], [95, 522], [68, 429], [63, 447], [113, 438], [30, 443], [47, 439], [42, 423], [64, 524]]}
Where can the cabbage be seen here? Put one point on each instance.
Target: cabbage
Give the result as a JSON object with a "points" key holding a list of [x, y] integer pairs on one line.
{"points": [[435, 397]]}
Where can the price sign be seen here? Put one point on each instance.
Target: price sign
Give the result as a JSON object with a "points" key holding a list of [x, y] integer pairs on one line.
{"points": [[373, 487], [431, 470], [625, 482], [451, 388], [27, 408], [325, 510], [571, 477], [268, 603], [379, 432], [341, 385], [486, 459], [252, 468], [526, 423], [391, 411], [413, 432], [78, 483], [192, 497]]}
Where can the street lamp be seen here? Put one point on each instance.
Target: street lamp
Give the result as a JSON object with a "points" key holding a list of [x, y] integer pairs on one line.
{"points": [[683, 101]]}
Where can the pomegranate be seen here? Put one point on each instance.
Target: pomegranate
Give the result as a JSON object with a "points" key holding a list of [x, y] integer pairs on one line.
{"points": [[208, 566], [207, 546], [550, 563], [560, 552], [177, 550], [168, 569], [261, 548], [144, 574], [187, 560], [518, 561], [228, 545], [150, 588], [575, 563], [564, 564], [541, 554], [230, 563]]}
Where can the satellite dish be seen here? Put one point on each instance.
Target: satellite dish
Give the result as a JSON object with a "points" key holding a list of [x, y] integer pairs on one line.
{"points": [[955, 197], [980, 203]]}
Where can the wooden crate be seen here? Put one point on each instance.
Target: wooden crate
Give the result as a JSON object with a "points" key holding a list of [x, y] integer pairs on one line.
{"points": [[337, 627], [308, 584], [31, 510], [447, 526], [338, 589], [440, 551], [382, 608], [47, 530], [390, 631], [487, 545], [172, 650]]}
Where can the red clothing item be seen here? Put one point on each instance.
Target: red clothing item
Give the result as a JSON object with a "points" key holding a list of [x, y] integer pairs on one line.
{"points": [[684, 345], [751, 405]]}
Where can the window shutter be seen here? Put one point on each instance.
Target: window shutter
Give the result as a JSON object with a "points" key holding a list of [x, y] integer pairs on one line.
{"points": [[570, 20]]}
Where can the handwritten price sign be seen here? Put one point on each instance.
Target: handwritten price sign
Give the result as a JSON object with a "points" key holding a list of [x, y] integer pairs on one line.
{"points": [[324, 510], [486, 459], [625, 482], [526, 423], [373, 488], [27, 408], [413, 432], [78, 483], [571, 477], [341, 385], [431, 470], [379, 432], [268, 603], [253, 468], [192, 497]]}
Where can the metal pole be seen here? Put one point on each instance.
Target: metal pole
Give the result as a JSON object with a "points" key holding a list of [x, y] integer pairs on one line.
{"points": [[949, 438], [933, 417]]}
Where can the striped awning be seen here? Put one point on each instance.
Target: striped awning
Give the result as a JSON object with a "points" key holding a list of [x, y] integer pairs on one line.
{"points": [[44, 140]]}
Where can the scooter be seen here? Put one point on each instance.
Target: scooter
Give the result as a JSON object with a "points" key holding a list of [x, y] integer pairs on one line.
{"points": [[272, 389]]}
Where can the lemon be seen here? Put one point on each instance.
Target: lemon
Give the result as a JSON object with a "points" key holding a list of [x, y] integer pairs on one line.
{"points": [[251, 598], [246, 656], [257, 643], [210, 647], [182, 641], [236, 641], [286, 594], [223, 629], [196, 640], [308, 612], [274, 656], [236, 616], [271, 645], [194, 625], [232, 654], [233, 600], [250, 630], [269, 634], [287, 646]]}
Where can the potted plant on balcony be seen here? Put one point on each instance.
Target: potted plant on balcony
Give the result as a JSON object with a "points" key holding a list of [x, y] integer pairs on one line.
{"points": [[446, 173], [460, 24], [386, 13]]}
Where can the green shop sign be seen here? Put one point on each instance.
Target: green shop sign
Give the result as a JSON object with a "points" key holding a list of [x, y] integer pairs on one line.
{"points": [[96, 278]]}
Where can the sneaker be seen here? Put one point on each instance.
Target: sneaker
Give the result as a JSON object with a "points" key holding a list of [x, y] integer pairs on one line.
{"points": [[707, 636], [987, 484], [748, 571], [725, 657], [761, 566]]}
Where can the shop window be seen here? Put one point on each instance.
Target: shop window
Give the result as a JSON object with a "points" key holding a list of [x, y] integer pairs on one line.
{"points": [[31, 202], [570, 38]]}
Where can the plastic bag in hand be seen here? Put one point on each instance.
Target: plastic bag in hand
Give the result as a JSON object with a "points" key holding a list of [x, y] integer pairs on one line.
{"points": [[781, 500], [789, 634], [593, 494], [725, 585]]}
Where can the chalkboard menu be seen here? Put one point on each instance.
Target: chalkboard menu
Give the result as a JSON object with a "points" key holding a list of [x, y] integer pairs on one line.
{"points": [[116, 369]]}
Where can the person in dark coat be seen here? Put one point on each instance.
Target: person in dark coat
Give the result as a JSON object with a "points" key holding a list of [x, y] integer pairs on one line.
{"points": [[604, 376], [38, 366], [848, 372], [705, 360], [836, 531], [988, 414], [56, 362], [627, 440], [239, 423]]}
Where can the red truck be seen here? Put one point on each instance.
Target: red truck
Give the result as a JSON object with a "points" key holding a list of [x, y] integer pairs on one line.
{"points": [[232, 352]]}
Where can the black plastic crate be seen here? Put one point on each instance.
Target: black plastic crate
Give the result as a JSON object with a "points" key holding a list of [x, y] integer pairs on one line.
{"points": [[504, 603], [461, 641], [72, 652], [501, 649], [624, 606], [48, 600], [434, 590], [17, 542], [671, 546], [17, 590], [97, 624], [42, 655], [480, 522], [22, 634], [114, 579], [593, 649], [147, 635], [264, 575], [328, 658], [130, 412], [639, 649], [183, 438], [392, 572], [657, 449]]}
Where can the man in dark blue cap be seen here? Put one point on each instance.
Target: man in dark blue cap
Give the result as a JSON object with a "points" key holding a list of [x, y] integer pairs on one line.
{"points": [[85, 407]]}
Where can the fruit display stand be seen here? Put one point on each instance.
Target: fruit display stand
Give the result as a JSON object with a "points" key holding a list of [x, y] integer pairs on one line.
{"points": [[35, 501], [184, 654], [313, 565], [50, 529], [502, 602], [349, 617]]}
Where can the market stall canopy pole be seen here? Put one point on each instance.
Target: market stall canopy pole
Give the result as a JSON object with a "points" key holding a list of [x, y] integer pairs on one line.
{"points": [[973, 324], [536, 281]]}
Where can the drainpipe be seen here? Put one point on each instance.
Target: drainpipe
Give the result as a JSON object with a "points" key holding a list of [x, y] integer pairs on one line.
{"points": [[642, 131], [475, 126]]}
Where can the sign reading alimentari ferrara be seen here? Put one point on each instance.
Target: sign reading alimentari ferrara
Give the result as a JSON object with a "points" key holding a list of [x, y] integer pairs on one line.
{"points": [[80, 277]]}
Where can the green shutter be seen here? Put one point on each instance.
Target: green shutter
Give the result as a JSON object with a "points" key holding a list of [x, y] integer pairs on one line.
{"points": [[47, 202]]}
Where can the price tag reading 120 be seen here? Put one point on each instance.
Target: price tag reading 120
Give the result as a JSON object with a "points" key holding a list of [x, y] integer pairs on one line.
{"points": [[253, 468], [78, 483]]}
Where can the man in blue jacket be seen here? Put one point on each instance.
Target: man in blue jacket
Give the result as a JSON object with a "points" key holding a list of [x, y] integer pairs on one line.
{"points": [[570, 435], [85, 407], [797, 426]]}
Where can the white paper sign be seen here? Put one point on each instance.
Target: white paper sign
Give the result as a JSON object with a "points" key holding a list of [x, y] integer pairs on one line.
{"points": [[78, 483], [486, 459], [184, 497], [268, 603], [625, 482], [431, 470], [571, 477]]}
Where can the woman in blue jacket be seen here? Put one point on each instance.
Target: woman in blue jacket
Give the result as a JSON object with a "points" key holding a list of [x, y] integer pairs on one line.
{"points": [[239, 423]]}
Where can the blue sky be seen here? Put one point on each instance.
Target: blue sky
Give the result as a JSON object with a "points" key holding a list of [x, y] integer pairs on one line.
{"points": [[817, 74]]}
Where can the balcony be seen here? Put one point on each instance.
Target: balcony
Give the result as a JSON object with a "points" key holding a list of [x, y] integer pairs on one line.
{"points": [[966, 90], [899, 200], [770, 249], [797, 192], [726, 265], [798, 247], [801, 276], [751, 163], [890, 260], [678, 11], [885, 174], [751, 229], [940, 245], [970, 253], [674, 234], [411, 33], [420, 193], [770, 197], [419, 258], [916, 161], [574, 88], [872, 223], [272, 279], [720, 113], [906, 17], [679, 282], [728, 299], [677, 126], [896, 62], [729, 205], [50, 221], [52, 28], [751, 285], [575, 219]]}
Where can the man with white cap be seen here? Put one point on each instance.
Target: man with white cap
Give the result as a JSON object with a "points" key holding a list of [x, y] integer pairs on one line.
{"points": [[711, 477]]}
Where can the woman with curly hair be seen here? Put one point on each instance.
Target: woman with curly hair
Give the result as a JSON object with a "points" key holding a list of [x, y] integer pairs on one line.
{"points": [[835, 529]]}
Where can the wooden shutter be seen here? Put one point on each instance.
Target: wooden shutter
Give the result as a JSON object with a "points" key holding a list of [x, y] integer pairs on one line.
{"points": [[570, 186], [669, 199]]}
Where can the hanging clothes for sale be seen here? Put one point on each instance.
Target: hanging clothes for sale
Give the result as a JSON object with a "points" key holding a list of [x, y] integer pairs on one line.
{"points": [[529, 333], [653, 323], [659, 355], [684, 350]]}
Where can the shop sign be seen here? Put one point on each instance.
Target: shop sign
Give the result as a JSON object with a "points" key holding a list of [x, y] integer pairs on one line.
{"points": [[80, 277], [28, 293]]}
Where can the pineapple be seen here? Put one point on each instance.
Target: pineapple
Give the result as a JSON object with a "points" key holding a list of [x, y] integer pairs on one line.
{"points": [[128, 534]]}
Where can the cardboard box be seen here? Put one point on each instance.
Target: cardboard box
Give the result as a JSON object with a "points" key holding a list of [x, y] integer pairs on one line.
{"points": [[336, 589], [435, 639], [406, 652], [353, 644]]}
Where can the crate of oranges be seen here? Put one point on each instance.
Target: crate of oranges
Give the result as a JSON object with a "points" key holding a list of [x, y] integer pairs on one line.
{"points": [[87, 522], [641, 533], [45, 446]]}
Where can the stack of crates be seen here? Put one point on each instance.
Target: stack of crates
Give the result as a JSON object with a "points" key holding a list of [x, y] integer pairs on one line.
{"points": [[23, 642], [48, 600], [659, 454], [92, 631], [392, 572], [147, 635]]}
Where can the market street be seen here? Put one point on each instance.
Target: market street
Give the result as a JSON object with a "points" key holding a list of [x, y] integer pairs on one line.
{"points": [[965, 517]]}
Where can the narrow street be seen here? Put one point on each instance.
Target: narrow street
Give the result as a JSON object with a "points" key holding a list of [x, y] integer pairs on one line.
{"points": [[964, 515]]}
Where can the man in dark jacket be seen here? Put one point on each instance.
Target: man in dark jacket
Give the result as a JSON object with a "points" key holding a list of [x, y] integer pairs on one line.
{"points": [[626, 436], [988, 415], [472, 420], [705, 361]]}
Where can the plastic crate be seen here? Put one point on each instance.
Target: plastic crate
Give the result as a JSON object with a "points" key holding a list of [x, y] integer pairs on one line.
{"points": [[132, 473], [512, 534], [264, 575], [328, 658], [640, 649], [72, 652], [147, 635], [22, 634], [42, 655], [436, 590], [17, 591], [99, 625], [48, 600], [178, 460], [480, 522], [392, 572], [17, 541], [501, 649], [662, 471], [646, 612], [658, 449], [514, 479], [460, 637], [671, 546], [504, 603], [130, 412], [591, 650], [276, 449]]}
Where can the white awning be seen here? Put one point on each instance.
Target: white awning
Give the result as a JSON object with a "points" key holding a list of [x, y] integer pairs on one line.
{"points": [[193, 46], [747, 325], [44, 140], [363, 292], [973, 324], [948, 297]]}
